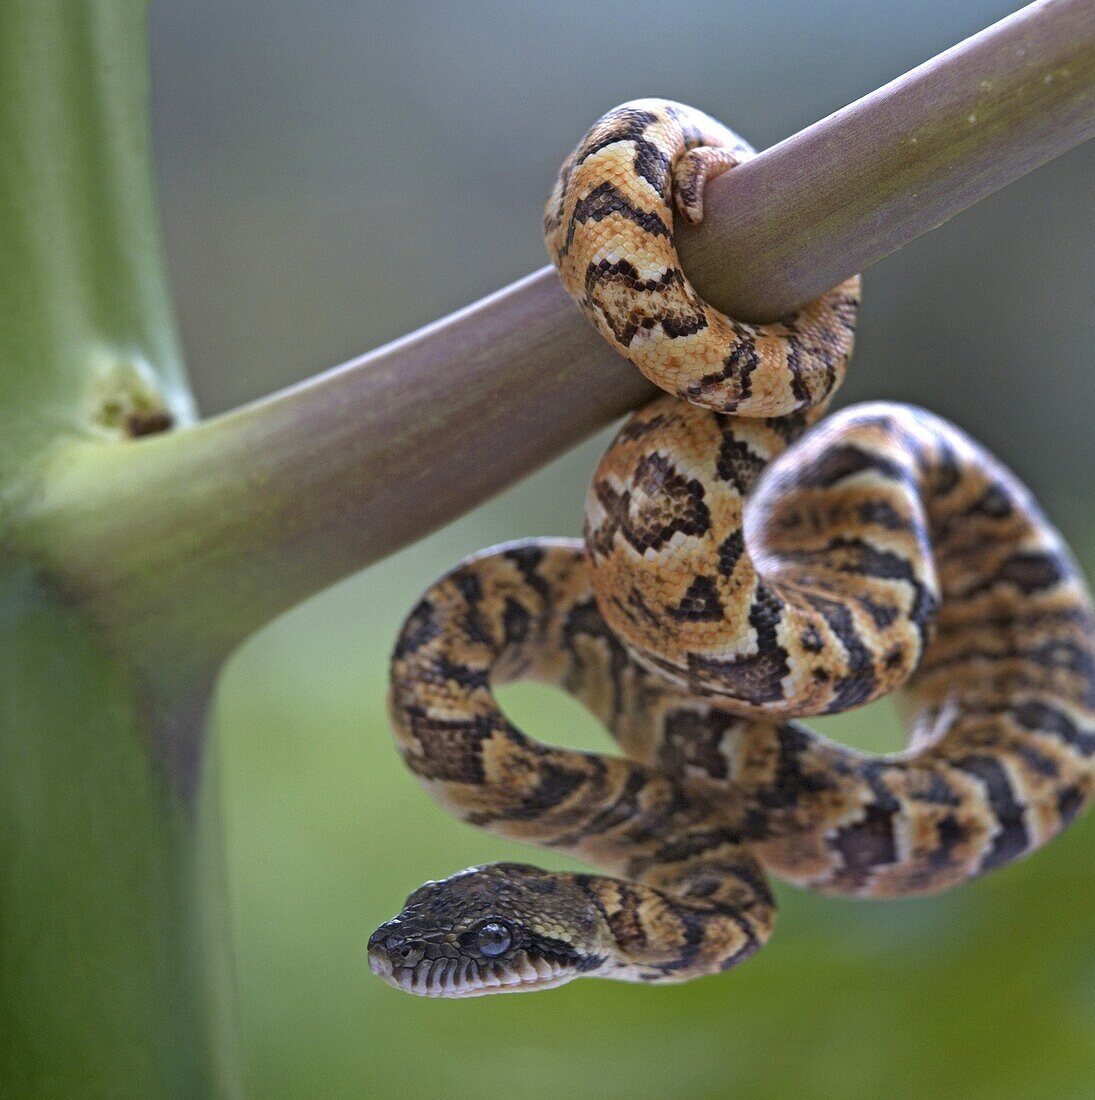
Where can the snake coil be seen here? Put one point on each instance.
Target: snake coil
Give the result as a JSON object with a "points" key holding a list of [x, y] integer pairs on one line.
{"points": [[743, 566]]}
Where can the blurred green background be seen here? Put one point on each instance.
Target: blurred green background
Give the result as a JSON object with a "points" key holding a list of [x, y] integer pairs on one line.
{"points": [[336, 173]]}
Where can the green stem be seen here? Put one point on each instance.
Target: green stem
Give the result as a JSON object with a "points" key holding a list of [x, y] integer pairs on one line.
{"points": [[115, 972], [86, 316]]}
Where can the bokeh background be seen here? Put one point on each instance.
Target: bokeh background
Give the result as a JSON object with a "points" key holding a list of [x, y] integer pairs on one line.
{"points": [[336, 173]]}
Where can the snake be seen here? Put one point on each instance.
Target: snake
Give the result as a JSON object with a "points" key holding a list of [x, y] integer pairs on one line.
{"points": [[747, 562]]}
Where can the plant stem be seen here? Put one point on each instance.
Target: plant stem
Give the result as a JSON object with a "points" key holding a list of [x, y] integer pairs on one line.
{"points": [[190, 541], [849, 190], [86, 316], [115, 969]]}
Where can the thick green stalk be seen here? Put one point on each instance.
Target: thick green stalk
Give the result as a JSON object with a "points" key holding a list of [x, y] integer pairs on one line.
{"points": [[112, 954]]}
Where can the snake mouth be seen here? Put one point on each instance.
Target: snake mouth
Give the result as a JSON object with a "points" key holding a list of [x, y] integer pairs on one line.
{"points": [[465, 977]]}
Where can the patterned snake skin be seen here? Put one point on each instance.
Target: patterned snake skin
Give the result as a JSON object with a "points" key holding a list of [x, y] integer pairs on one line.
{"points": [[881, 549]]}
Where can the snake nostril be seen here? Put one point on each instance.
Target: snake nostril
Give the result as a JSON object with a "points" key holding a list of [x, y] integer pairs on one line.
{"points": [[407, 952]]}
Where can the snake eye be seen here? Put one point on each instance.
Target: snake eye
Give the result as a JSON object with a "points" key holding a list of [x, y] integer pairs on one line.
{"points": [[493, 939]]}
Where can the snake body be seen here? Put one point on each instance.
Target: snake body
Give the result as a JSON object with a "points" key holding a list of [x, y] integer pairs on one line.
{"points": [[742, 566]]}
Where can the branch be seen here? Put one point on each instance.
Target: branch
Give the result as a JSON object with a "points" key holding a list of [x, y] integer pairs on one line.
{"points": [[846, 192], [183, 544]]}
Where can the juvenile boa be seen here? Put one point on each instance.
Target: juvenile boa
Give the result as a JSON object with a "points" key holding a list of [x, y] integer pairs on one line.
{"points": [[881, 548]]}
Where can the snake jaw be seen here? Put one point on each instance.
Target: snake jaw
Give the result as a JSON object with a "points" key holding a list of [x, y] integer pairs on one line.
{"points": [[485, 931], [457, 978]]}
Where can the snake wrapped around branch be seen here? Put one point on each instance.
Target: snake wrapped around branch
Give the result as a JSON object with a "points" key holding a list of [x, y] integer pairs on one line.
{"points": [[743, 566]]}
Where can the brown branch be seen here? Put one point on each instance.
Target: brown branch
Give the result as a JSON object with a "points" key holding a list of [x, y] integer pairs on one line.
{"points": [[183, 544], [849, 190]]}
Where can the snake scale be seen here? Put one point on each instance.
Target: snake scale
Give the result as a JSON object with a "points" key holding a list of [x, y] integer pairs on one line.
{"points": [[743, 566]]}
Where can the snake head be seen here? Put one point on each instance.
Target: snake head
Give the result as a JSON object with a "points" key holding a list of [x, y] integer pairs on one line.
{"points": [[502, 928]]}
